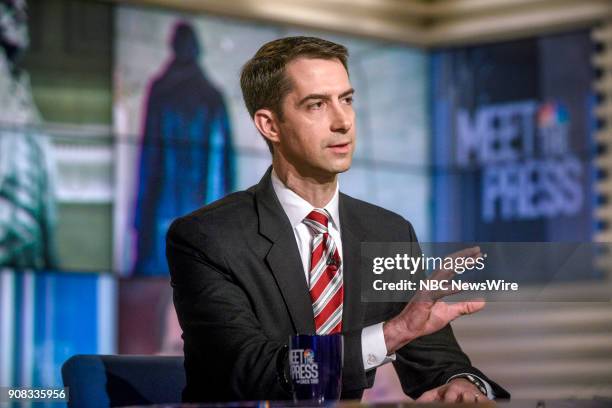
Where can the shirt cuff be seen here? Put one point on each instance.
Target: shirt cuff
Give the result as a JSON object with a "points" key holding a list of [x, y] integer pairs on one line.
{"points": [[490, 393], [373, 347]]}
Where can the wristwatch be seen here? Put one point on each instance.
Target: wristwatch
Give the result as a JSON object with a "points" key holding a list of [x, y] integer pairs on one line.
{"points": [[474, 380]]}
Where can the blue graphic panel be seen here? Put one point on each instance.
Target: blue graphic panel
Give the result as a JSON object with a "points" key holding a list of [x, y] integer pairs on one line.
{"points": [[47, 317]]}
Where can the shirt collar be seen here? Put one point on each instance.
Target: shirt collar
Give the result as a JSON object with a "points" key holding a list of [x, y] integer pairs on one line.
{"points": [[297, 208]]}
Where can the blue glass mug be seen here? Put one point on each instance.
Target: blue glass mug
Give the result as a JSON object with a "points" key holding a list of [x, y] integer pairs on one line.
{"points": [[315, 367]]}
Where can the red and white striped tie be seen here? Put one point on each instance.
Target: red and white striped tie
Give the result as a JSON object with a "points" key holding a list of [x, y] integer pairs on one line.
{"points": [[325, 278]]}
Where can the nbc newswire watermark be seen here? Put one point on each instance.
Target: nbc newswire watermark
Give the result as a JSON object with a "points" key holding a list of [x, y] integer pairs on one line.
{"points": [[503, 271], [459, 263]]}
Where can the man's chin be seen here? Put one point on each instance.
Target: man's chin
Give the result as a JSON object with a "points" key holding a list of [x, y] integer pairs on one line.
{"points": [[330, 168], [340, 168]]}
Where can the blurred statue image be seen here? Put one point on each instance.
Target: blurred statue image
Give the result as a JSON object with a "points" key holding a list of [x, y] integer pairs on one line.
{"points": [[27, 199], [186, 154]]}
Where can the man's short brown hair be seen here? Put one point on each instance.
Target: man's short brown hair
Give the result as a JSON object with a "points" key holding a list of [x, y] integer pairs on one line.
{"points": [[263, 80]]}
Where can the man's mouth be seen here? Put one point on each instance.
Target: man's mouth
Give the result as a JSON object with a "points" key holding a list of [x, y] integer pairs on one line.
{"points": [[340, 147]]}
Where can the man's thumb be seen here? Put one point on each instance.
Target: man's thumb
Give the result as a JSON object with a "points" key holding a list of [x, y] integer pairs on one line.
{"points": [[468, 307]]}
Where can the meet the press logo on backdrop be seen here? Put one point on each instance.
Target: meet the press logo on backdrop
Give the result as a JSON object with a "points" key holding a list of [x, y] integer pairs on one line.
{"points": [[529, 170]]}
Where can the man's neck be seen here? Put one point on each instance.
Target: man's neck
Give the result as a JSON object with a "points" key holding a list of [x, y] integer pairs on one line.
{"points": [[317, 190]]}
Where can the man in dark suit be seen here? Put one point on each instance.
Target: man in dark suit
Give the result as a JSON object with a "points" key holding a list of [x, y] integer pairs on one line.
{"points": [[283, 256]]}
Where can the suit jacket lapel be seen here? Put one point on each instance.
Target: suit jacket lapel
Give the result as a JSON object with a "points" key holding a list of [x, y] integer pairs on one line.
{"points": [[283, 258], [352, 236]]}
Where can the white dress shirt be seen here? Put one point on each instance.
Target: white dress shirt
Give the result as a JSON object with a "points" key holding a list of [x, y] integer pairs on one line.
{"points": [[373, 348]]}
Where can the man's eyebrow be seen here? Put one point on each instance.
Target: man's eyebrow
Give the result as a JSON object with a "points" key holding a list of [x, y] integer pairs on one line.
{"points": [[347, 93], [324, 96]]}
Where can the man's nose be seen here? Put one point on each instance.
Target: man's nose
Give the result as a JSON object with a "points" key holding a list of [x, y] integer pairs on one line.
{"points": [[341, 120]]}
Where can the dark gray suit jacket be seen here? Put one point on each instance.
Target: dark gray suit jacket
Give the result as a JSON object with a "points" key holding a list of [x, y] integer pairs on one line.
{"points": [[239, 292]]}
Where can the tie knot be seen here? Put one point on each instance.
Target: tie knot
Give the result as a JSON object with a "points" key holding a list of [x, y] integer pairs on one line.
{"points": [[317, 220]]}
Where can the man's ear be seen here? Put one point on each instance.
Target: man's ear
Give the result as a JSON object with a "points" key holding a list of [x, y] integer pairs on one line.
{"points": [[267, 124]]}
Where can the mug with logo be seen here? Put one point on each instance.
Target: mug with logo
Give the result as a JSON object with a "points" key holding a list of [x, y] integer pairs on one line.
{"points": [[315, 367]]}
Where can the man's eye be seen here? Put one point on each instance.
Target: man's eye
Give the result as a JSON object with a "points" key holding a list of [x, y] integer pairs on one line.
{"points": [[348, 100], [316, 105]]}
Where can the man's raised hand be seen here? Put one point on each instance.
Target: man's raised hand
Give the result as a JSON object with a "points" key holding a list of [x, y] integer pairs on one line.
{"points": [[426, 313]]}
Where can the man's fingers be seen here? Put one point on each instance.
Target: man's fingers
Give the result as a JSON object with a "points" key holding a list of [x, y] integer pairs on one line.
{"points": [[472, 252], [429, 396], [451, 395], [466, 308], [467, 396], [442, 274], [439, 294]]}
